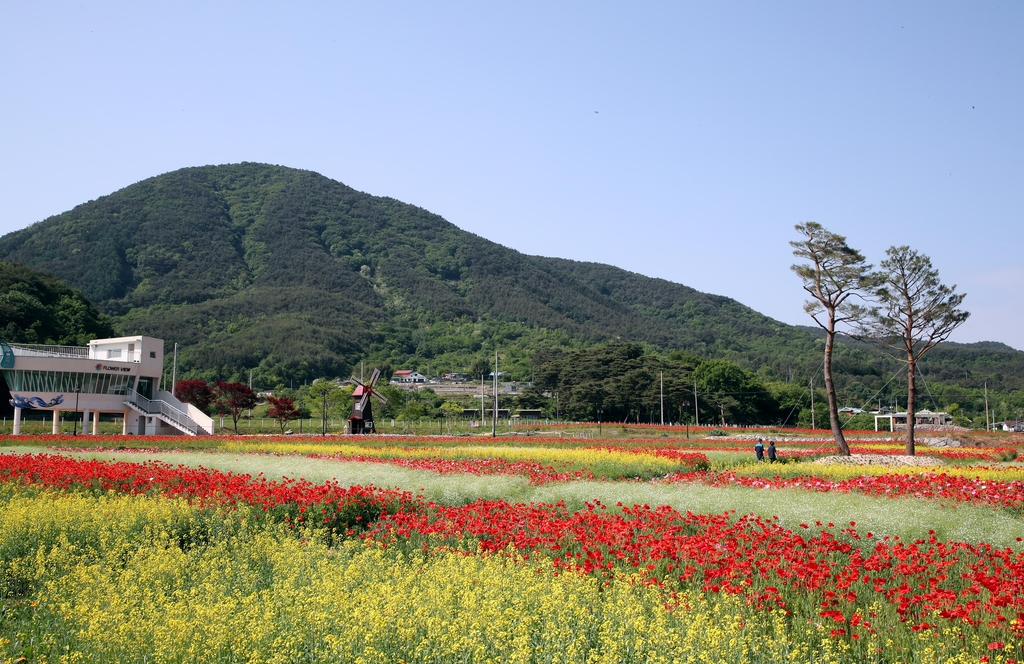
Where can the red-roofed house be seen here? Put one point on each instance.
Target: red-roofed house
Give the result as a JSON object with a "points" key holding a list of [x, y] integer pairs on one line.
{"points": [[408, 376]]}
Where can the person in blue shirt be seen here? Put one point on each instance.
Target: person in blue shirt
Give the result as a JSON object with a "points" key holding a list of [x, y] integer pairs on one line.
{"points": [[759, 450]]}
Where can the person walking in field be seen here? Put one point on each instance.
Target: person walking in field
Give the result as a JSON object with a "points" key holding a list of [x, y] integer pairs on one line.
{"points": [[759, 450], [771, 451]]}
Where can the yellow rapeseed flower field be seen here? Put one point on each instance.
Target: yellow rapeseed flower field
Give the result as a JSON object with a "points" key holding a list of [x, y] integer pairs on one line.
{"points": [[576, 458], [134, 579]]}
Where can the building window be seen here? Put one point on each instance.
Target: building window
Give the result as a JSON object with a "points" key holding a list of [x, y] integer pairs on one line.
{"points": [[66, 381], [114, 352]]}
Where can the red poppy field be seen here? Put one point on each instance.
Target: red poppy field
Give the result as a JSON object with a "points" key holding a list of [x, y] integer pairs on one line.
{"points": [[819, 591]]}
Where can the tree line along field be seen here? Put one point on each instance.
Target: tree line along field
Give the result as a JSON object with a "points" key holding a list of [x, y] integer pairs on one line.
{"points": [[633, 547]]}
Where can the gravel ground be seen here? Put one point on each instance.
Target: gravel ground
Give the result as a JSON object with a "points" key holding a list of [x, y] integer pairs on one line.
{"points": [[882, 460]]}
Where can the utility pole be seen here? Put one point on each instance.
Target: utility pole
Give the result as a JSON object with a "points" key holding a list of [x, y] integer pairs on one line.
{"points": [[483, 392], [986, 407], [696, 410], [323, 432], [662, 398], [812, 404], [494, 420], [174, 370]]}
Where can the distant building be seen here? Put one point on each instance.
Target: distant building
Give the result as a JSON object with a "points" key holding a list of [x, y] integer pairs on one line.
{"points": [[119, 376], [529, 413], [1010, 425], [922, 418], [406, 376]]}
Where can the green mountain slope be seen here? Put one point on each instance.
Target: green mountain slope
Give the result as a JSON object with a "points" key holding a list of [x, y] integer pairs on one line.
{"points": [[296, 275], [36, 308]]}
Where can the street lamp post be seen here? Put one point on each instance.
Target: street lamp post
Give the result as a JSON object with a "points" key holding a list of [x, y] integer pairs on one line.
{"points": [[323, 393], [78, 391]]}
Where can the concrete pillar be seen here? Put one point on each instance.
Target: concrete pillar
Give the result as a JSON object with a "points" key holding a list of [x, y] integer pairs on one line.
{"points": [[124, 425], [85, 422], [96, 423], [17, 421], [56, 421]]}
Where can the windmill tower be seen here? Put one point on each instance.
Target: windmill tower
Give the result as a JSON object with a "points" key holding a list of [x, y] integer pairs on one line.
{"points": [[361, 419]]}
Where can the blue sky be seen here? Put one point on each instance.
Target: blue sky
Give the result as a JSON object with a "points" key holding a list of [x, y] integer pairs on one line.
{"points": [[677, 140]]}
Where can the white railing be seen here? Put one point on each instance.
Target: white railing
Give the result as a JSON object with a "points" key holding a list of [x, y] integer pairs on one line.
{"points": [[40, 350], [164, 410]]}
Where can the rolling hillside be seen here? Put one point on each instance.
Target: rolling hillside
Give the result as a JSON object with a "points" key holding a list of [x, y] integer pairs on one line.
{"points": [[252, 266]]}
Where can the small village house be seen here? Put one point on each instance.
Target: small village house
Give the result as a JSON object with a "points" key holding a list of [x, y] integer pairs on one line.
{"points": [[408, 376], [922, 418]]}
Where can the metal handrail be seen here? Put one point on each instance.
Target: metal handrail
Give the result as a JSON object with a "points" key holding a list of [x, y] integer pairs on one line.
{"points": [[163, 409], [42, 350]]}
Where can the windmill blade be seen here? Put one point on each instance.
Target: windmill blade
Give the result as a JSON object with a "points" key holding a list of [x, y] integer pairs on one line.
{"points": [[368, 390]]}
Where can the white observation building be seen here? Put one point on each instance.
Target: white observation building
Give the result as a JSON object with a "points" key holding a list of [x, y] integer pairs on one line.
{"points": [[119, 375]]}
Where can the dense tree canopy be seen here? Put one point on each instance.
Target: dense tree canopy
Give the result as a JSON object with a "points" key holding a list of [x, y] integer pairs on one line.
{"points": [[36, 308]]}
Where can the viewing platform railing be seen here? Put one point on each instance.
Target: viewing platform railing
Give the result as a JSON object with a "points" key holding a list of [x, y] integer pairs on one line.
{"points": [[164, 410], [40, 350]]}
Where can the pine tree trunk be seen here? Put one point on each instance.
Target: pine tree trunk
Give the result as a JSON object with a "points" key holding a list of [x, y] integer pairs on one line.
{"points": [[911, 408], [833, 407]]}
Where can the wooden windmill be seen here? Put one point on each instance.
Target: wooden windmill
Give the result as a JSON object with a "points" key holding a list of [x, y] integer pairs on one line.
{"points": [[361, 419]]}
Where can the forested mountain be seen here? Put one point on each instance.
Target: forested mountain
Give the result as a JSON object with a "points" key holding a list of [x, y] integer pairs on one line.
{"points": [[36, 308], [294, 275]]}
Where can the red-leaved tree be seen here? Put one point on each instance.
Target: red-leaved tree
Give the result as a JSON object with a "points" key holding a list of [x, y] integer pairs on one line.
{"points": [[233, 398], [282, 410], [194, 391]]}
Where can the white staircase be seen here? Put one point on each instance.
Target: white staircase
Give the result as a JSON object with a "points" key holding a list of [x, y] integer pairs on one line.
{"points": [[182, 416]]}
